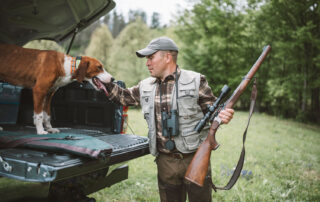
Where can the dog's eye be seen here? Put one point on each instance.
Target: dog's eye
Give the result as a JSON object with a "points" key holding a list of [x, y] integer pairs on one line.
{"points": [[100, 67]]}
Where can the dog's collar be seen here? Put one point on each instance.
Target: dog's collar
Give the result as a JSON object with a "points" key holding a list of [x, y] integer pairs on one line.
{"points": [[75, 61]]}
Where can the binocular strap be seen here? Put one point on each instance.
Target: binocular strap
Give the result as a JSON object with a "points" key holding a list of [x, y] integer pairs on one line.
{"points": [[174, 105]]}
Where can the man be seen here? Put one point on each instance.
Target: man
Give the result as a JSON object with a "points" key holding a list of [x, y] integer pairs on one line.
{"points": [[172, 101]]}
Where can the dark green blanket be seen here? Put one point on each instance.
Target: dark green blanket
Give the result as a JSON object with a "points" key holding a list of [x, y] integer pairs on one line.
{"points": [[81, 145]]}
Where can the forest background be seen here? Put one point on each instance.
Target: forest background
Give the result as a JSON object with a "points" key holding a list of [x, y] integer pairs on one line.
{"points": [[221, 41]]}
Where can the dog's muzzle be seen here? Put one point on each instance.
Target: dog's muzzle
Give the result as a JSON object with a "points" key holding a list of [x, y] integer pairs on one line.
{"points": [[100, 85]]}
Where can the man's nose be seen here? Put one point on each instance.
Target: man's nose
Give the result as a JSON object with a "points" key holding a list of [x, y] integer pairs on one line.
{"points": [[148, 62]]}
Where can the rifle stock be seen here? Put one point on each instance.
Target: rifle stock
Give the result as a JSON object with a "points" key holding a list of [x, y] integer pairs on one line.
{"points": [[198, 167]]}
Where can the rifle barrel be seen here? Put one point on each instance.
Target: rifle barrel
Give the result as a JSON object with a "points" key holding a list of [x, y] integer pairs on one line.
{"points": [[246, 80]]}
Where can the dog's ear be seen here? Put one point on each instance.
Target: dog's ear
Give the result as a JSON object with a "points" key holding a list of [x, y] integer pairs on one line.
{"points": [[81, 71]]}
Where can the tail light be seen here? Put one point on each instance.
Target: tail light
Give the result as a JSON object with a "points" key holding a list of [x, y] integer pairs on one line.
{"points": [[124, 120]]}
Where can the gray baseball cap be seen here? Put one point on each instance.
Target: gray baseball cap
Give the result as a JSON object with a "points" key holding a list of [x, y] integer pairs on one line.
{"points": [[161, 43]]}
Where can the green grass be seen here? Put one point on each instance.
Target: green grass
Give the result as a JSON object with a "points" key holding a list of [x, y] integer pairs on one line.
{"points": [[283, 157]]}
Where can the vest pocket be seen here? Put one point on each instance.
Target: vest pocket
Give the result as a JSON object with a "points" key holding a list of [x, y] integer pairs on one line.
{"points": [[187, 98], [187, 88], [191, 139], [146, 103], [187, 106]]}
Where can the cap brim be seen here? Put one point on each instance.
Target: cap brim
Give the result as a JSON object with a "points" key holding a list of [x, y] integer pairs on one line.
{"points": [[145, 52]]}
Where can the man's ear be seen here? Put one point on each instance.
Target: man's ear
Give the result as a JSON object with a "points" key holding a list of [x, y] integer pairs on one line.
{"points": [[81, 71], [168, 57]]}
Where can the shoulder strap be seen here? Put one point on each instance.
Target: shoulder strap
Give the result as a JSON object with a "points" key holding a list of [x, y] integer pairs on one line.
{"points": [[239, 166]]}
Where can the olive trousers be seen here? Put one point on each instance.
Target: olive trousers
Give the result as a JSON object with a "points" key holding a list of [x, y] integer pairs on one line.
{"points": [[172, 185]]}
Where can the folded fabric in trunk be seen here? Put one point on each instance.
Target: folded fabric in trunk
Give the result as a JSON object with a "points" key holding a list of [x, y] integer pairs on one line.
{"points": [[81, 145]]}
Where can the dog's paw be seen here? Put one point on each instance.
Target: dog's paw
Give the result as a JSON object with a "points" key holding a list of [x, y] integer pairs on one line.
{"points": [[53, 130], [42, 132], [1, 129]]}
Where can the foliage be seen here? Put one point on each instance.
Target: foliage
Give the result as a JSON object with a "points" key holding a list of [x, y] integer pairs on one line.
{"points": [[124, 64], [81, 40], [293, 85], [155, 20], [137, 15], [223, 43], [117, 24], [44, 45], [212, 39], [281, 163], [100, 44]]}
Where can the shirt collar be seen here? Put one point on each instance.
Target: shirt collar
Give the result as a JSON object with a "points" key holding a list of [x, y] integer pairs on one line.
{"points": [[169, 77]]}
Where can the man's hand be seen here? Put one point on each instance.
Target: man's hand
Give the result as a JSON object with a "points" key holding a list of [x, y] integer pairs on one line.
{"points": [[226, 115]]}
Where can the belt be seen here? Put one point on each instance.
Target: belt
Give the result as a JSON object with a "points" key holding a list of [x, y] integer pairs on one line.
{"points": [[178, 155]]}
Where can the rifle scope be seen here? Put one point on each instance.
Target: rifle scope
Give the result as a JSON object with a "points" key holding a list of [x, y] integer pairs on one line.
{"points": [[224, 91]]}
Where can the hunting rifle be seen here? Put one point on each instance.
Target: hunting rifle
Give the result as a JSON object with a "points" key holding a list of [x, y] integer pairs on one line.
{"points": [[198, 167]]}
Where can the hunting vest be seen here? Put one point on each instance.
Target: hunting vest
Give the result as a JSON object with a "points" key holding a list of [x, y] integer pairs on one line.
{"points": [[190, 112]]}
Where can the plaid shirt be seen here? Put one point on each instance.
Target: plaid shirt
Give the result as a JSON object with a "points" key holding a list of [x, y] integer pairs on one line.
{"points": [[131, 97]]}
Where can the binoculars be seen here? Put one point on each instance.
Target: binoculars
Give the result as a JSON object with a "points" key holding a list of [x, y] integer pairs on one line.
{"points": [[170, 123], [170, 127]]}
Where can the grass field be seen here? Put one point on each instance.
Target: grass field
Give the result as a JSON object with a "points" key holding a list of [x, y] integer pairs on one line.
{"points": [[282, 163]]}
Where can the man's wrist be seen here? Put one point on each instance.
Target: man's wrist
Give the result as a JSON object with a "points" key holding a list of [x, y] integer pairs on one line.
{"points": [[109, 86]]}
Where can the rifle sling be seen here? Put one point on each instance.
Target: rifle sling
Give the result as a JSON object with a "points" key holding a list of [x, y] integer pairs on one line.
{"points": [[239, 166]]}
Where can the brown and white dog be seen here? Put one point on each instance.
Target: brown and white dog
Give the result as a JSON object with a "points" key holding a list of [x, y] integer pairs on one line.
{"points": [[44, 71]]}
